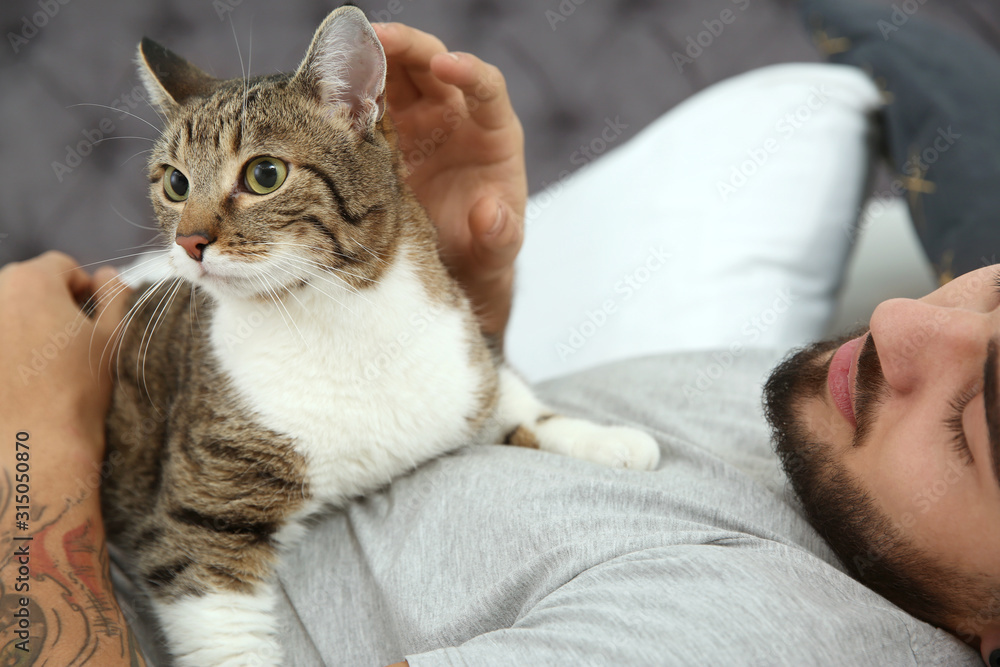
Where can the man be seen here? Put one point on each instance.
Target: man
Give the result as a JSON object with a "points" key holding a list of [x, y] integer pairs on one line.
{"points": [[492, 555], [892, 440]]}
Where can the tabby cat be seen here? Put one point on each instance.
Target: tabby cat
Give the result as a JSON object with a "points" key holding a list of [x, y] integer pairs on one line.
{"points": [[247, 398]]}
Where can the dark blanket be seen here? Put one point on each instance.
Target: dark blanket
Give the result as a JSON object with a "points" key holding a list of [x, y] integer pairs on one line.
{"points": [[941, 120]]}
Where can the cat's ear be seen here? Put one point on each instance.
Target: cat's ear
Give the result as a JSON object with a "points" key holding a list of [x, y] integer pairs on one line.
{"points": [[345, 66], [168, 78]]}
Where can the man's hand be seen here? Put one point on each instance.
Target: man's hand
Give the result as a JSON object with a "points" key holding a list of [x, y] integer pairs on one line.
{"points": [[464, 147], [55, 362]]}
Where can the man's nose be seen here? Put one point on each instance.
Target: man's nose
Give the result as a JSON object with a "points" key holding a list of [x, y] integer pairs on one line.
{"points": [[918, 342]]}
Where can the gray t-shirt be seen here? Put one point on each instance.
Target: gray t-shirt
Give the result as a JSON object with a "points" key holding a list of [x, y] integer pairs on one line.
{"points": [[504, 556]]}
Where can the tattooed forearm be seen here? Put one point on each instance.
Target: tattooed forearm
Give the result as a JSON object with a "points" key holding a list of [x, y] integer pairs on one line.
{"points": [[57, 578]]}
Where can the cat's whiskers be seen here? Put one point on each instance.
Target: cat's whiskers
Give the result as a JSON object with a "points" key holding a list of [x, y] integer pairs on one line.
{"points": [[318, 289], [246, 77], [155, 241], [148, 150], [103, 300], [376, 256], [192, 312], [135, 224], [163, 119], [268, 293], [130, 317], [288, 290], [111, 259], [113, 340], [312, 264], [338, 270], [306, 266], [278, 302], [105, 106], [161, 308], [101, 141], [127, 321], [320, 249], [246, 85], [92, 302]]}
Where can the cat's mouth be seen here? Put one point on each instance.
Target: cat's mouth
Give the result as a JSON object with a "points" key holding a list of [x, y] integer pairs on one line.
{"points": [[226, 276], [215, 274]]}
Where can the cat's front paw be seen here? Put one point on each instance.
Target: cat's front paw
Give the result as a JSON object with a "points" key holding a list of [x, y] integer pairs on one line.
{"points": [[613, 446], [222, 630]]}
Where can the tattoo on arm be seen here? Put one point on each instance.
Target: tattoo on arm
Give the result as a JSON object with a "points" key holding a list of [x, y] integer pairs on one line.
{"points": [[56, 595]]}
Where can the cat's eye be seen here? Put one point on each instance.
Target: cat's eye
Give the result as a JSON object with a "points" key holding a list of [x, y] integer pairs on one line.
{"points": [[175, 184], [265, 174]]}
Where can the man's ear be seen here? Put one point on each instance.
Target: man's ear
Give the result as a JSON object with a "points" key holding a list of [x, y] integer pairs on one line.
{"points": [[169, 79], [345, 68], [989, 646]]}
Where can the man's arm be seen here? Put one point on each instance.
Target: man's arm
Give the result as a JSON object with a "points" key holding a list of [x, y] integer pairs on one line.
{"points": [[54, 581], [55, 592]]}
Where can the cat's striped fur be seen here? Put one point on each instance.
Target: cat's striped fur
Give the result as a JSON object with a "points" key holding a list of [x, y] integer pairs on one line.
{"points": [[246, 399]]}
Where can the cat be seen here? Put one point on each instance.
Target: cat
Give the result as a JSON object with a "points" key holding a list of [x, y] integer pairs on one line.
{"points": [[248, 398]]}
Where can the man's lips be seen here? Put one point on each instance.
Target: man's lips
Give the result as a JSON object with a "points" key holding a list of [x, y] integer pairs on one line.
{"points": [[842, 375]]}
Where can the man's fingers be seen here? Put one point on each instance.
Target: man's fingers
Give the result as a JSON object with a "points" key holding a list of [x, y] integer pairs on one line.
{"points": [[409, 51], [65, 269], [400, 90], [497, 234], [482, 84]]}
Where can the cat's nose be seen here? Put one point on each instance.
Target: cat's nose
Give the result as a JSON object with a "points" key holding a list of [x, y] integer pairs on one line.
{"points": [[194, 244]]}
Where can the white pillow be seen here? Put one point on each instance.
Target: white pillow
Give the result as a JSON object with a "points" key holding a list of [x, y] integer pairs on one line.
{"points": [[724, 225]]}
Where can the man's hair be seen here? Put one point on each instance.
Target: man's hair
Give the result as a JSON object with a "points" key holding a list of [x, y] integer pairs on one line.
{"points": [[870, 545]]}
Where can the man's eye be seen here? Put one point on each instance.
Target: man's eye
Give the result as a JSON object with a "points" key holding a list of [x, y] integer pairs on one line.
{"points": [[954, 423]]}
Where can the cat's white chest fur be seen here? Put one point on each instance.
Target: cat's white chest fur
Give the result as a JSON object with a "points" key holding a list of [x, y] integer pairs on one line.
{"points": [[369, 384]]}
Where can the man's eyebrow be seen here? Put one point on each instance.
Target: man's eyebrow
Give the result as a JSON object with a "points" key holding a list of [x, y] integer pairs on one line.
{"points": [[990, 382]]}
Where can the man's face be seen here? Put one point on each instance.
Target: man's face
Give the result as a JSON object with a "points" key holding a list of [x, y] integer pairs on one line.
{"points": [[911, 408]]}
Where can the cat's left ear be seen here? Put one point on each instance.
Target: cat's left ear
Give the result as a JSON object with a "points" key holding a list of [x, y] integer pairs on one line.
{"points": [[169, 79], [345, 66]]}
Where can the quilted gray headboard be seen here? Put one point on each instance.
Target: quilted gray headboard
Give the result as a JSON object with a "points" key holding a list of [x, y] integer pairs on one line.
{"points": [[74, 181]]}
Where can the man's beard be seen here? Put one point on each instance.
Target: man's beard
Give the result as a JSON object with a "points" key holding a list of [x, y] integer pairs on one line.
{"points": [[842, 511]]}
